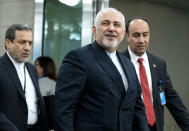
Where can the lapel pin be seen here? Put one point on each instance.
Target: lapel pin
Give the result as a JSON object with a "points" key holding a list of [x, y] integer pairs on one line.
{"points": [[154, 65]]}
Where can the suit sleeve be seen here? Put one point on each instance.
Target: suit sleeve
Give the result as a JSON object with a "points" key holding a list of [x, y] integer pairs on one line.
{"points": [[174, 102], [70, 83], [6, 125]]}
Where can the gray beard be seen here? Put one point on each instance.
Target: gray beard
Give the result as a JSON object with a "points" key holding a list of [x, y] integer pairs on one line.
{"points": [[107, 44]]}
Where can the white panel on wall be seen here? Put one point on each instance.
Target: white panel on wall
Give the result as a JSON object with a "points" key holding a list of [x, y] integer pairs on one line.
{"points": [[14, 12]]}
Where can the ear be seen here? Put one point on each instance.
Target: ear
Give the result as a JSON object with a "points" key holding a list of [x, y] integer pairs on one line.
{"points": [[127, 36], [124, 32], [94, 30], [7, 43]]}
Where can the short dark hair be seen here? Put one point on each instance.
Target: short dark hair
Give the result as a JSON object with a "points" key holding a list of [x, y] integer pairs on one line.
{"points": [[10, 33], [48, 66], [134, 18]]}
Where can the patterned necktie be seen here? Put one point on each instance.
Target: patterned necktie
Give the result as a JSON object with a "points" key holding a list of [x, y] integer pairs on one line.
{"points": [[146, 94]]}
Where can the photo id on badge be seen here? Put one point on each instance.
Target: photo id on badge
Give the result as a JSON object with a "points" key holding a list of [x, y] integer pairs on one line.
{"points": [[162, 93], [162, 98]]}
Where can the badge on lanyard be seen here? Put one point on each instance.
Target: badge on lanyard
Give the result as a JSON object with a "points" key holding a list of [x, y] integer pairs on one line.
{"points": [[162, 93]]}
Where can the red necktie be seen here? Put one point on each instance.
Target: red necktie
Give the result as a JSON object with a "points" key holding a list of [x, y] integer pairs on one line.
{"points": [[146, 94]]}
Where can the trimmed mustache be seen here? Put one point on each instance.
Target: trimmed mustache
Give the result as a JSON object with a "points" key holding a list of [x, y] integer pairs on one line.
{"points": [[111, 34]]}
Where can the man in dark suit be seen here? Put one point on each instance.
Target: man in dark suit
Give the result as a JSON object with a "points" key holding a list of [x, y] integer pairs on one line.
{"points": [[138, 36], [97, 88], [21, 104]]}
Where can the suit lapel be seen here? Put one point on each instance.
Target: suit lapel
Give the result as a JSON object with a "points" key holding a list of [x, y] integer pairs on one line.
{"points": [[153, 69], [126, 53], [13, 75], [124, 64], [109, 67]]}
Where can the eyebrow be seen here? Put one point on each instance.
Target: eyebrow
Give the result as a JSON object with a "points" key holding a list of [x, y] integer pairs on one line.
{"points": [[140, 33], [25, 40]]}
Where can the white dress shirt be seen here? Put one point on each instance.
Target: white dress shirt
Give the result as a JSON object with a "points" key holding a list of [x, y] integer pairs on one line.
{"points": [[134, 59], [116, 62], [30, 93]]}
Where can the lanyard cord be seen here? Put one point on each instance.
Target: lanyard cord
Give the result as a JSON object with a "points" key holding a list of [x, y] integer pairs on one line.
{"points": [[24, 78]]}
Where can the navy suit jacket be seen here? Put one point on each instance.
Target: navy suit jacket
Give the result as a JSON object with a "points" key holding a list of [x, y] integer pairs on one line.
{"points": [[174, 102], [90, 95], [13, 107]]}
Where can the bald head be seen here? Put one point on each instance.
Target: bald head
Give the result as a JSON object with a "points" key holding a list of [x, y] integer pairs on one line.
{"points": [[133, 19], [139, 25]]}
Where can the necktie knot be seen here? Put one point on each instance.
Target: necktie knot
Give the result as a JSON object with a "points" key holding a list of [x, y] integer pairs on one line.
{"points": [[140, 60]]}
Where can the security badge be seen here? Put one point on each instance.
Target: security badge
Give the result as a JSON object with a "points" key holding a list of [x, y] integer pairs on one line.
{"points": [[162, 98], [162, 93]]}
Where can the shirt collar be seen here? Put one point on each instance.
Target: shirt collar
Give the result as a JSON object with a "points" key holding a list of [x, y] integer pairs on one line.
{"points": [[16, 64], [111, 54], [134, 57]]}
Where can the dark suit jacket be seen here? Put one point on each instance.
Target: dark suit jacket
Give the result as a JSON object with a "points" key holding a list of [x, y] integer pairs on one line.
{"points": [[13, 107], [174, 102], [90, 95]]}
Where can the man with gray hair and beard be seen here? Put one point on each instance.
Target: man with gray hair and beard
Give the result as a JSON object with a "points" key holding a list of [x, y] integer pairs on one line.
{"points": [[97, 88]]}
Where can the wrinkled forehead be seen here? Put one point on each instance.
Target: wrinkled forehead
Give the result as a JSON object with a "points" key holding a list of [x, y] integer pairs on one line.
{"points": [[111, 15]]}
